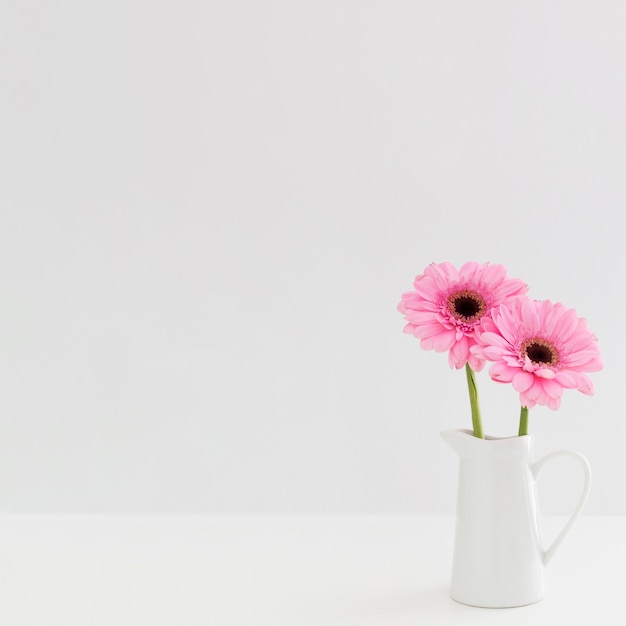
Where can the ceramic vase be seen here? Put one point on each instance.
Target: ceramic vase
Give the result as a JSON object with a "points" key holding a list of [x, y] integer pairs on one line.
{"points": [[499, 558]]}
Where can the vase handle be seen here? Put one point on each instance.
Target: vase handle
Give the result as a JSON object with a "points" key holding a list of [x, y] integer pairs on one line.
{"points": [[536, 469]]}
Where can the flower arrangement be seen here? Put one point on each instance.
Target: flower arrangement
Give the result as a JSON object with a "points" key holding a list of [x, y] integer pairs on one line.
{"points": [[478, 314]]}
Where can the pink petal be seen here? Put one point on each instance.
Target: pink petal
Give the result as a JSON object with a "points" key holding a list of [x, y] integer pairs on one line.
{"points": [[476, 363], [543, 398], [487, 325], [425, 288], [494, 339], [443, 274], [529, 316], [444, 341], [551, 318], [522, 381], [544, 372], [567, 324], [440, 341], [552, 388], [581, 357], [526, 401], [565, 380], [502, 373], [460, 350], [469, 270], [508, 324], [509, 289], [583, 383], [535, 390], [455, 362], [421, 317], [493, 353], [511, 360], [581, 340], [494, 274], [427, 330], [508, 333], [554, 403], [595, 365]]}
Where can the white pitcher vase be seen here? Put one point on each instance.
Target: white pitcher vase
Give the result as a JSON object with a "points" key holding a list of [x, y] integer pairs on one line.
{"points": [[499, 558]]}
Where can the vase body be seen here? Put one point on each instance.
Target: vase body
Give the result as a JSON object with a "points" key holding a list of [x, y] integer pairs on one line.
{"points": [[499, 558]]}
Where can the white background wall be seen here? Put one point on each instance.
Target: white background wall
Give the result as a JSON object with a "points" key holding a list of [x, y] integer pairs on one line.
{"points": [[209, 211]]}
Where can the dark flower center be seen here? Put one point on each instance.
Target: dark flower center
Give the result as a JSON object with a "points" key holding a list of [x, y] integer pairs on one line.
{"points": [[466, 305], [540, 351]]}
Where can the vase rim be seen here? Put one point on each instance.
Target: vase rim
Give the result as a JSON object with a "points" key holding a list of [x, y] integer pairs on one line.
{"points": [[470, 433]]}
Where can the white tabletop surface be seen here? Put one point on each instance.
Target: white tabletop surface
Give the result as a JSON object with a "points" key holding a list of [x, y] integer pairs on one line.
{"points": [[292, 571]]}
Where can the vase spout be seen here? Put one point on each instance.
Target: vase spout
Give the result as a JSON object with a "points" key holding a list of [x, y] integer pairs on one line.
{"points": [[462, 441]]}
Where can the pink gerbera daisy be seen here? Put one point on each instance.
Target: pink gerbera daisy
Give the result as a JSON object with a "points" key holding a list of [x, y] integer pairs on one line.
{"points": [[447, 305], [540, 348]]}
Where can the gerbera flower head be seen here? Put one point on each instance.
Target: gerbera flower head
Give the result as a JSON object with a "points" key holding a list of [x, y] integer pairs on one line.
{"points": [[540, 348], [447, 305]]}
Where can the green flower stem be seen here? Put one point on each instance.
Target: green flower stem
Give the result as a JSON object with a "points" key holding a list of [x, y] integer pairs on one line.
{"points": [[523, 421], [473, 394]]}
